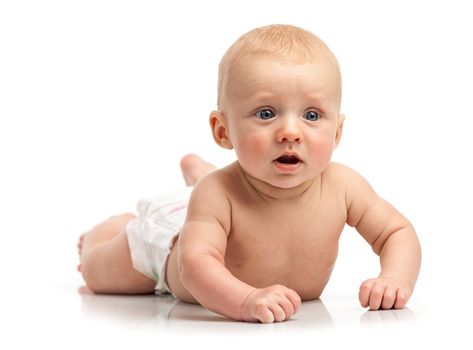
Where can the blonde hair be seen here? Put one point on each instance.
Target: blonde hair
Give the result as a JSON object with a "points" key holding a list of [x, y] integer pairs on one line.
{"points": [[285, 44]]}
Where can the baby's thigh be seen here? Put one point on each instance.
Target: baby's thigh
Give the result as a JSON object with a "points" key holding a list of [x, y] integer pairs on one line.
{"points": [[108, 269], [110, 227]]}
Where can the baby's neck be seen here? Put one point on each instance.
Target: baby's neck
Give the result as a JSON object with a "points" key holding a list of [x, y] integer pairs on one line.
{"points": [[272, 193]]}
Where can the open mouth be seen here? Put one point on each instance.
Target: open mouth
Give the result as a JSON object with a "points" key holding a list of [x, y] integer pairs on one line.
{"points": [[288, 159]]}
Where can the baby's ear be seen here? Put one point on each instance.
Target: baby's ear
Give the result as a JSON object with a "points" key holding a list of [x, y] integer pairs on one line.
{"points": [[338, 135], [219, 130]]}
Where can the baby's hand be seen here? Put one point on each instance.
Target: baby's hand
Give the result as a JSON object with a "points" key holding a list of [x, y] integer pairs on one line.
{"points": [[384, 293], [272, 304]]}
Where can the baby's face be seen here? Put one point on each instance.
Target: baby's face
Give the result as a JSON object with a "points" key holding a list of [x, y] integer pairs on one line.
{"points": [[282, 120]]}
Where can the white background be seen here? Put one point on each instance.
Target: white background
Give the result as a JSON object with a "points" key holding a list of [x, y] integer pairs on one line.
{"points": [[100, 99]]}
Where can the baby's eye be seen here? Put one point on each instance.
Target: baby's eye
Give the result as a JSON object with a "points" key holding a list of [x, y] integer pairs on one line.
{"points": [[312, 116], [265, 114]]}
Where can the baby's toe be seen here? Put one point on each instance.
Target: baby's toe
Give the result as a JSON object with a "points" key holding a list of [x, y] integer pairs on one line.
{"points": [[79, 244]]}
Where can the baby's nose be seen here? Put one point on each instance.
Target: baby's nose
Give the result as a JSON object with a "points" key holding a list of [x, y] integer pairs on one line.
{"points": [[289, 132]]}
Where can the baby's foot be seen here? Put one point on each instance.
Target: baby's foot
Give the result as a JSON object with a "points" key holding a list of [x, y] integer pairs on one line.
{"points": [[102, 233], [79, 249], [193, 168]]}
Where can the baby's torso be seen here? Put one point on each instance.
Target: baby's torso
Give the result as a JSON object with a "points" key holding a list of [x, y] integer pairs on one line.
{"points": [[289, 242]]}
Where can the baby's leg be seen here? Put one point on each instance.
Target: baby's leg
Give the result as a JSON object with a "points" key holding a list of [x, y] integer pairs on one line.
{"points": [[106, 262], [193, 168]]}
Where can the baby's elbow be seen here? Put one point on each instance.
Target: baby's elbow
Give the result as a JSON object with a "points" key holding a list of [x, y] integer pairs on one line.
{"points": [[403, 232], [194, 267]]}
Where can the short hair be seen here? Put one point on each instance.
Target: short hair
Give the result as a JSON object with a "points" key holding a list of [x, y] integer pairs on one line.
{"points": [[284, 44]]}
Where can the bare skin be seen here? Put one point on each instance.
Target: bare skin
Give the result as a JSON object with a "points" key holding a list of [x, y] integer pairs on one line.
{"points": [[193, 168], [105, 261]]}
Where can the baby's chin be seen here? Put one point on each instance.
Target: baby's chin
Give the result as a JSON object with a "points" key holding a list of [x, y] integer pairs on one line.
{"points": [[278, 185], [291, 184], [286, 187], [292, 181]]}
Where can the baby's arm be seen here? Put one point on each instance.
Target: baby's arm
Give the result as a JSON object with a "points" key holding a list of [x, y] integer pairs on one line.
{"points": [[202, 246], [392, 237]]}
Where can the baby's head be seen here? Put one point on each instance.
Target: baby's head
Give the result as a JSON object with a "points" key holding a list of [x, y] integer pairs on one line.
{"points": [[279, 93], [283, 44]]}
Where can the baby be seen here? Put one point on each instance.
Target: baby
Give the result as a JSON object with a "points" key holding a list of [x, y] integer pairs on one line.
{"points": [[260, 235]]}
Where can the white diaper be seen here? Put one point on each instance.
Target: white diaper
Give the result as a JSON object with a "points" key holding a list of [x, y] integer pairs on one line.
{"points": [[152, 233]]}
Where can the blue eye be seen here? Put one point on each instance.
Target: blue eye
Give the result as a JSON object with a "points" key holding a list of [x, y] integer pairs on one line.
{"points": [[265, 114], [312, 116]]}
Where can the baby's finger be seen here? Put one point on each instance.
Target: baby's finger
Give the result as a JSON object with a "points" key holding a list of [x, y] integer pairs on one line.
{"points": [[287, 306], [364, 294], [295, 299], [265, 315], [401, 299], [376, 296], [389, 298], [278, 312]]}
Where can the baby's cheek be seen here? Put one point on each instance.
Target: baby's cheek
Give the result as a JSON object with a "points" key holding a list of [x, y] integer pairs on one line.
{"points": [[254, 145], [252, 153], [258, 145], [323, 153]]}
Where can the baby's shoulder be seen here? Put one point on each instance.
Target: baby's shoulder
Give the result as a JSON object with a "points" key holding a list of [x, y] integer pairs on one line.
{"points": [[219, 180], [349, 181], [338, 173], [344, 179], [210, 197], [215, 189]]}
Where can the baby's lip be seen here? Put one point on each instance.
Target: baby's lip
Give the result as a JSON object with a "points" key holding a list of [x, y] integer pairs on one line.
{"points": [[288, 158]]}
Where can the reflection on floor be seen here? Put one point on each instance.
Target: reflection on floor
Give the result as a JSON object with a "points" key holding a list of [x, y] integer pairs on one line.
{"points": [[171, 315]]}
